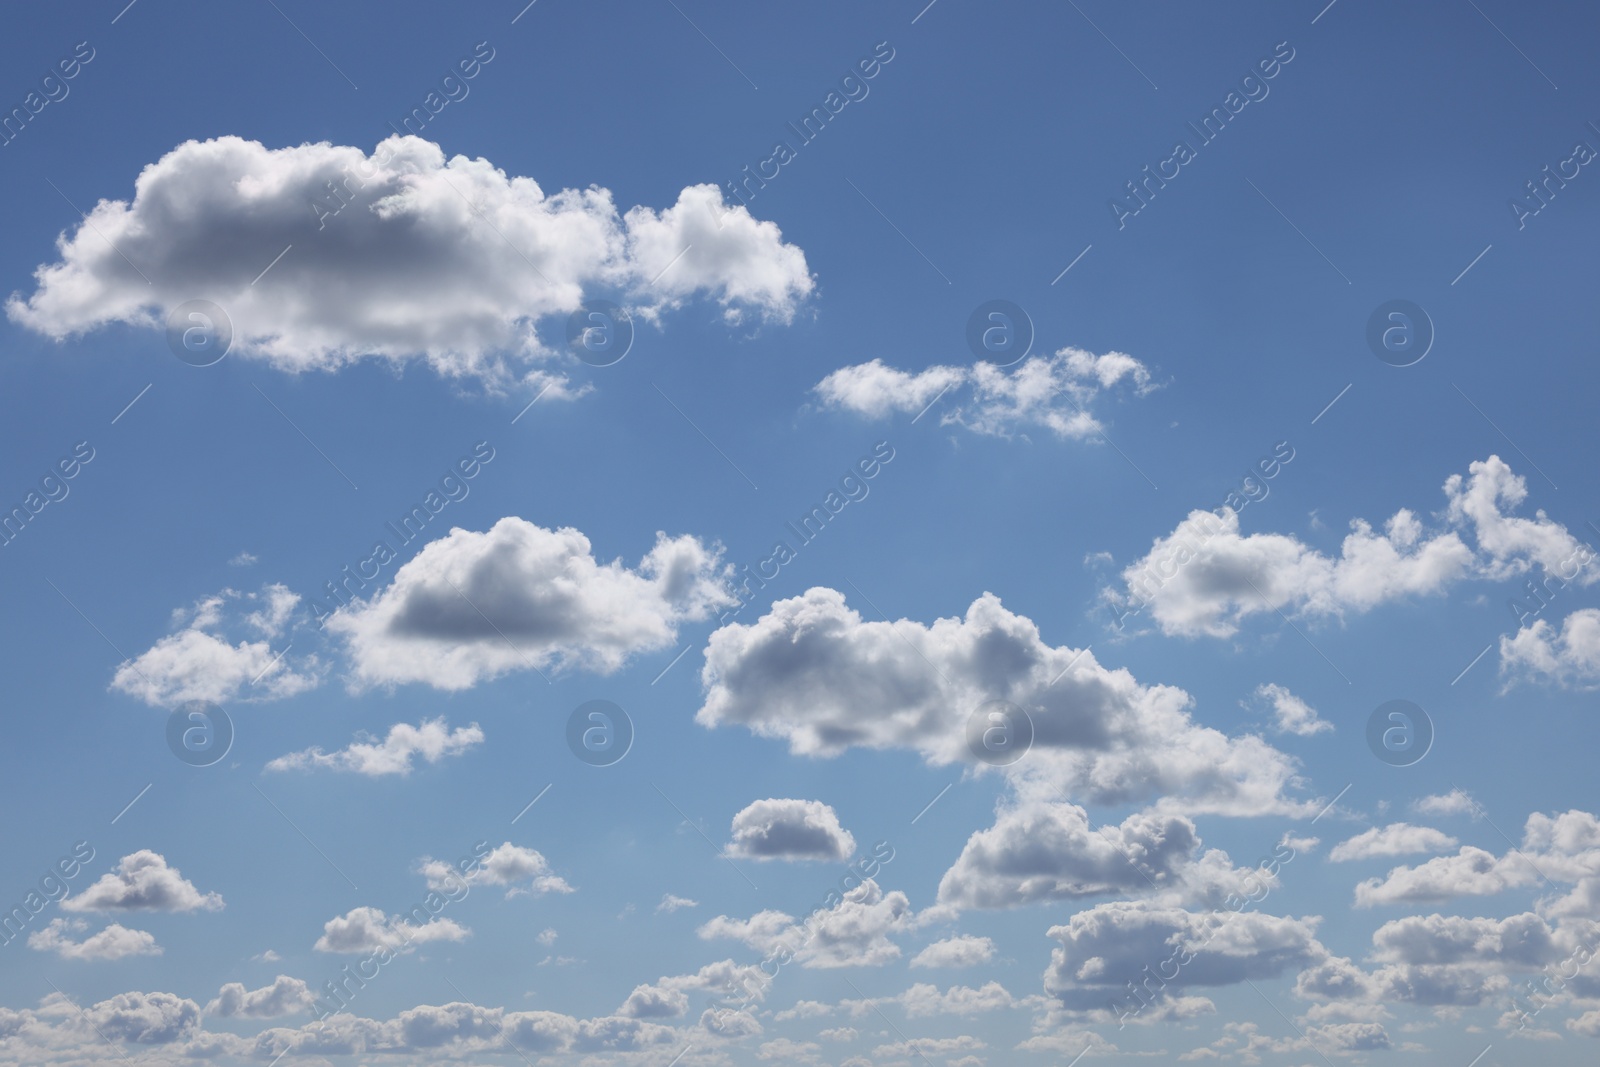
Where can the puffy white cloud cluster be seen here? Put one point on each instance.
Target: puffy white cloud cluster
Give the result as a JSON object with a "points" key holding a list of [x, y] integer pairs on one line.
{"points": [[468, 608], [115, 942], [367, 930], [473, 606], [1567, 655], [1396, 839], [671, 902], [142, 881], [144, 1018], [856, 932], [1249, 1042], [173, 1025], [813, 673], [1206, 577], [59, 1026], [401, 254], [1555, 848], [431, 739], [1039, 851], [921, 1000], [668, 997], [285, 996], [790, 829], [1104, 948], [963, 950], [1449, 961], [1291, 714], [1523, 962], [523, 870], [1455, 802], [197, 662], [1050, 392]]}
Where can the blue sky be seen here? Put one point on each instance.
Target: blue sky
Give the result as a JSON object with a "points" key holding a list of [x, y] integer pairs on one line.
{"points": [[1196, 538]]}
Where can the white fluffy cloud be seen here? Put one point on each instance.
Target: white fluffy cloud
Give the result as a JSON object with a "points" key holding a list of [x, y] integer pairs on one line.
{"points": [[366, 930], [523, 870], [1049, 851], [1567, 657], [198, 662], [671, 903], [1105, 947], [472, 606], [814, 673], [113, 943], [790, 829], [285, 996], [962, 951], [145, 1018], [853, 933], [1052, 392], [1554, 848], [1291, 714], [1207, 578], [1042, 849], [1470, 872], [1072, 1042], [1510, 545], [668, 997], [58, 1032], [451, 260], [1396, 839], [918, 1049], [875, 389], [432, 739], [1248, 1042], [1521, 940], [787, 1052], [1447, 961], [142, 881], [925, 999], [1455, 802]]}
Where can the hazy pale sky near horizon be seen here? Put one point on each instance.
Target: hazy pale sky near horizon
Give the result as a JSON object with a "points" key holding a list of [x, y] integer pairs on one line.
{"points": [[686, 533]]}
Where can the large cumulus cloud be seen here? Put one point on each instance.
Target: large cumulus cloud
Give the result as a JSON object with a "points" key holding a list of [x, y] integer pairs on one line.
{"points": [[452, 260], [472, 606], [1104, 948], [812, 672], [1039, 850], [1207, 576], [786, 828]]}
